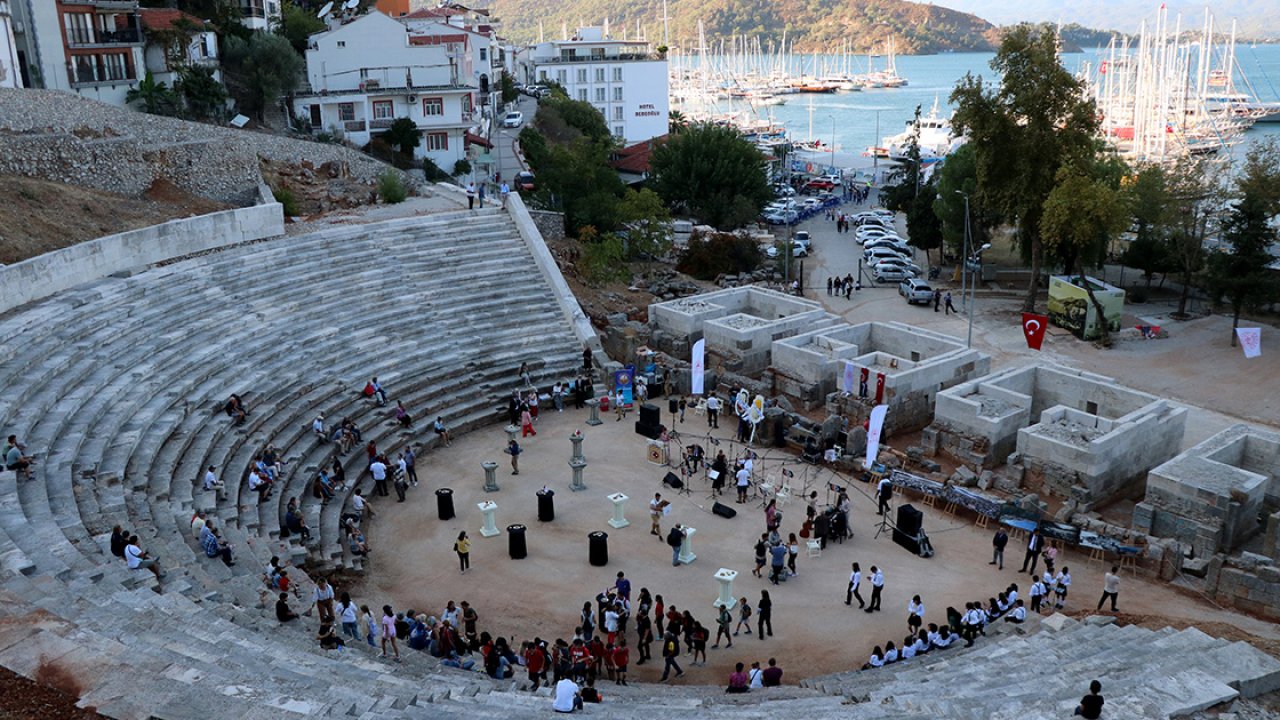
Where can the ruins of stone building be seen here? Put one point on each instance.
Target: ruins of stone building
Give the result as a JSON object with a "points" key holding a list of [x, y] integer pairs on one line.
{"points": [[1092, 439]]}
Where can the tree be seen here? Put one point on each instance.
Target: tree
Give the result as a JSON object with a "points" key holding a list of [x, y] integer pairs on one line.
{"points": [[265, 68], [924, 230], [1192, 187], [1242, 276], [507, 88], [714, 173], [646, 222], [1082, 212], [155, 98], [958, 178], [914, 196], [404, 135], [676, 122], [204, 97], [1024, 131], [563, 120], [296, 24], [577, 180]]}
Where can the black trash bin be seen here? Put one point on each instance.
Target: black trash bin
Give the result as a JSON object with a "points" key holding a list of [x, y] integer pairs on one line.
{"points": [[546, 505], [598, 543], [516, 546], [444, 503]]}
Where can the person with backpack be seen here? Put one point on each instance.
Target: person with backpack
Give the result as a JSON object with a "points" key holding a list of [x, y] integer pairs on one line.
{"points": [[671, 651], [744, 617], [723, 622], [675, 539]]}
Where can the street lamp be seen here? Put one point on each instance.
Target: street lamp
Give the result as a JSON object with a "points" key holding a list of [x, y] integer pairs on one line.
{"points": [[964, 255], [833, 143], [972, 287]]}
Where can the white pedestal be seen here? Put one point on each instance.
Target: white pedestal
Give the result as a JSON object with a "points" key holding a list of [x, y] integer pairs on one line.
{"points": [[489, 529], [686, 547], [725, 577], [619, 503]]}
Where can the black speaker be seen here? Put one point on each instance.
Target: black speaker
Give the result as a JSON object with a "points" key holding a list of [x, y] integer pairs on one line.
{"points": [[673, 405], [724, 511], [653, 432], [673, 480], [907, 533], [650, 414]]}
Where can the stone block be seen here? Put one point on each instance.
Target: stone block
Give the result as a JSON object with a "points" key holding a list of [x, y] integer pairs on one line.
{"points": [[1195, 567], [964, 477], [1057, 622], [1099, 620]]}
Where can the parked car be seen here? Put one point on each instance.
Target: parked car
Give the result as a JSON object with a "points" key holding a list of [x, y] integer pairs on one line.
{"points": [[871, 257], [781, 217], [783, 190], [890, 274], [819, 184], [513, 119], [535, 90], [866, 238], [907, 265], [887, 242], [915, 290], [524, 182], [799, 248]]}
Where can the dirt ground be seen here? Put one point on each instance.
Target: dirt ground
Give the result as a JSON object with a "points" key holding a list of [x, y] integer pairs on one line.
{"points": [[38, 216]]}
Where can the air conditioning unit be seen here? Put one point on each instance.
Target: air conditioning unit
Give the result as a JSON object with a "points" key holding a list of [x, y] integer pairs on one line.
{"points": [[412, 98]]}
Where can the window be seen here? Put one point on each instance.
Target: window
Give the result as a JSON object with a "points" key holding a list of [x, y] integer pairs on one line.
{"points": [[599, 75], [599, 94], [316, 120], [432, 106], [617, 94], [484, 54], [582, 94], [617, 113], [582, 75], [617, 131], [383, 110], [342, 43], [437, 141], [116, 69], [617, 74], [346, 112], [542, 76], [79, 28], [562, 76]]}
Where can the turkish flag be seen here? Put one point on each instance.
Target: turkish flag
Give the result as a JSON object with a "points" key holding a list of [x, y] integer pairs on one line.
{"points": [[1033, 326]]}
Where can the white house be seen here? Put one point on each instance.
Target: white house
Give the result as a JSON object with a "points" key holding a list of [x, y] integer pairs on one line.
{"points": [[260, 14], [197, 45], [367, 72], [623, 79], [10, 67]]}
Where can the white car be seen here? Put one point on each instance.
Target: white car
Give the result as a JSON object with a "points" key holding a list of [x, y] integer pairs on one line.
{"points": [[890, 274], [892, 243], [915, 290], [513, 119], [799, 247], [907, 265], [874, 256], [870, 237]]}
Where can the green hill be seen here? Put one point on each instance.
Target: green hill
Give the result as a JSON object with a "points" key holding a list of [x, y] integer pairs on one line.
{"points": [[814, 25]]}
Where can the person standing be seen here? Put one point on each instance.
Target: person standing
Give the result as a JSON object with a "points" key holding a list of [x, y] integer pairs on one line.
{"points": [[744, 483], [462, 546], [526, 423], [1110, 588], [655, 515], [830, 285], [1063, 585], [471, 196], [378, 470], [779, 554], [855, 579], [877, 586], [504, 191], [884, 493], [764, 615], [915, 615], [675, 539], [997, 548], [723, 622], [389, 632], [322, 601], [946, 301], [1034, 544], [937, 300], [713, 412], [410, 470], [513, 449], [670, 651]]}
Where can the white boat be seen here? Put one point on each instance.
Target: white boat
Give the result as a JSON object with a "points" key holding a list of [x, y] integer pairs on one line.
{"points": [[934, 136]]}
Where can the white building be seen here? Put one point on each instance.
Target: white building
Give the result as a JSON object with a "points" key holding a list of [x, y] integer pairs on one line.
{"points": [[261, 14], [10, 68], [368, 72], [623, 79], [199, 45], [90, 47]]}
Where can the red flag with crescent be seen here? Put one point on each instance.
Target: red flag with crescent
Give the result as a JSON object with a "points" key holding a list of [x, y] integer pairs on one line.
{"points": [[1033, 327]]}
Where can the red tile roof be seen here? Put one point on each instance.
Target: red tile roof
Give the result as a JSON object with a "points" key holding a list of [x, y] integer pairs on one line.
{"points": [[437, 39], [164, 18], [635, 158], [473, 139]]}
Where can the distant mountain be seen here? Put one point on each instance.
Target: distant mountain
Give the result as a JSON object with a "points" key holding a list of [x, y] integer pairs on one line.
{"points": [[1255, 18], [814, 25]]}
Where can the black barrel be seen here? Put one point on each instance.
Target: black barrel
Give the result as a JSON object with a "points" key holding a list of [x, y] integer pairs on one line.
{"points": [[546, 506], [598, 543], [444, 503], [516, 546]]}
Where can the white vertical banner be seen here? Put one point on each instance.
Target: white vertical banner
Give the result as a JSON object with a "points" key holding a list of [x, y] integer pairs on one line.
{"points": [[847, 382], [873, 433], [699, 361], [1250, 341]]}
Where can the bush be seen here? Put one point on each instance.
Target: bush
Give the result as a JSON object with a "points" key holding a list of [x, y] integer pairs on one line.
{"points": [[719, 253], [287, 200], [603, 258], [433, 171], [462, 167], [391, 188]]}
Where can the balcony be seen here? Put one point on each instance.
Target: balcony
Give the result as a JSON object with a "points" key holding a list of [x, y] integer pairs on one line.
{"points": [[381, 124], [353, 125], [622, 57], [87, 76], [81, 37], [112, 5]]}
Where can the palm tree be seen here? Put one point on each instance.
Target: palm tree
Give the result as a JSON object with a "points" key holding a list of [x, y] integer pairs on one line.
{"points": [[676, 122], [155, 97]]}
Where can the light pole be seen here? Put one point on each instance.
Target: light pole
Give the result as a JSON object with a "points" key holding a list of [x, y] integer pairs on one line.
{"points": [[964, 255], [875, 149], [972, 287], [833, 144]]}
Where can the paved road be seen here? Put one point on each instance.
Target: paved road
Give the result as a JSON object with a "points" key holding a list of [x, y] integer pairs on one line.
{"points": [[504, 138]]}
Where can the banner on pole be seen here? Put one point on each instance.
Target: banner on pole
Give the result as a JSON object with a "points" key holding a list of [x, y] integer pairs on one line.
{"points": [[879, 387], [847, 385], [622, 387], [1250, 341], [874, 426], [1033, 327], [699, 366], [862, 383]]}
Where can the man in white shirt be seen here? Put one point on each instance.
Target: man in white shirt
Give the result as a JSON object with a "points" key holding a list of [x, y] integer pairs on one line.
{"points": [[378, 470], [655, 515], [138, 559], [713, 411], [1018, 615], [1110, 588], [744, 482], [855, 579], [197, 523], [317, 427], [260, 485], [568, 699], [877, 585], [211, 481]]}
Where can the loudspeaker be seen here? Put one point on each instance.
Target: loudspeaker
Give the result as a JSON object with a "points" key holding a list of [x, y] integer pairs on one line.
{"points": [[724, 511], [653, 432], [673, 405], [907, 533], [673, 480], [650, 414]]}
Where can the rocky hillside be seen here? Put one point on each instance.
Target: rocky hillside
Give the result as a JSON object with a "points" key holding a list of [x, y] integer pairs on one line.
{"points": [[814, 25]]}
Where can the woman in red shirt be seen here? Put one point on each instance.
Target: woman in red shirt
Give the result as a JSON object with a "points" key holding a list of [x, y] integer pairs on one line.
{"points": [[621, 656], [534, 662]]}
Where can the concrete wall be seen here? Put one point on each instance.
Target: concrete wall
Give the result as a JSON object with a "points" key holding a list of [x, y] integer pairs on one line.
{"points": [[54, 272], [564, 297]]}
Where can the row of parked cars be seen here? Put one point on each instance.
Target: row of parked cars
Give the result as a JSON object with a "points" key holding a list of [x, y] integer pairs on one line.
{"points": [[885, 253]]}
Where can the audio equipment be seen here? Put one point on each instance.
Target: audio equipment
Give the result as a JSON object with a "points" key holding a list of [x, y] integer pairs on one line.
{"points": [[908, 530], [673, 481], [650, 414], [724, 511]]}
